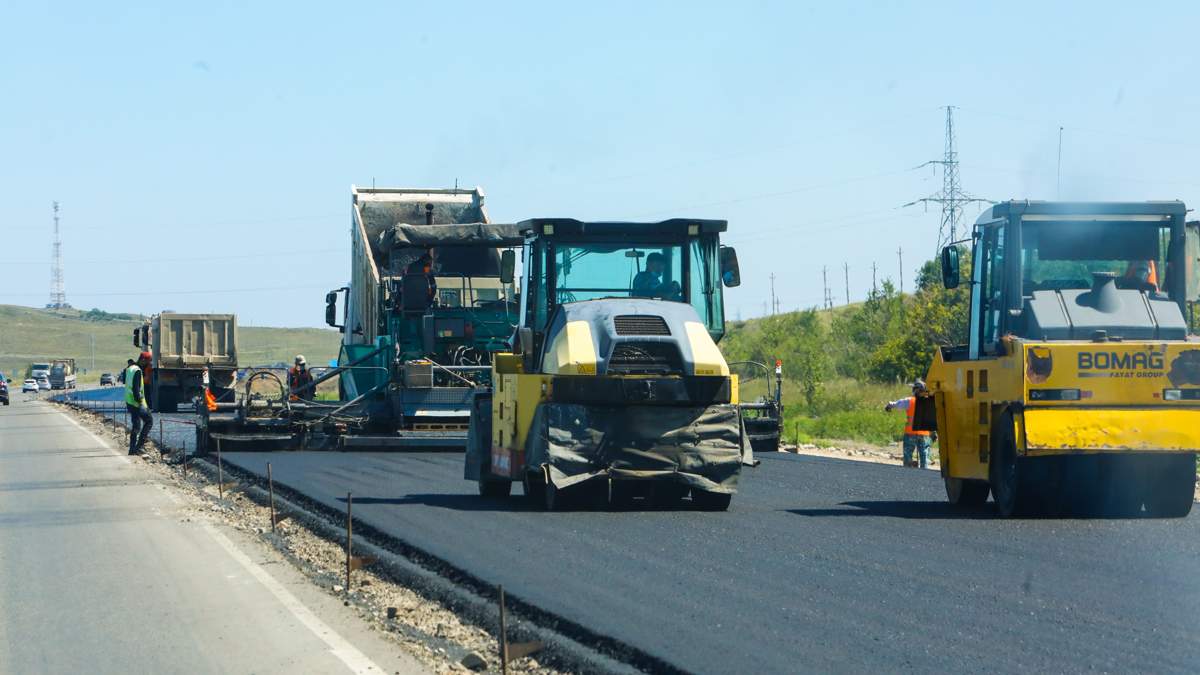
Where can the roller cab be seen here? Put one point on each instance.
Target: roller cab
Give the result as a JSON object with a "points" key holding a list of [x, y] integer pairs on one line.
{"points": [[615, 387], [1078, 391]]}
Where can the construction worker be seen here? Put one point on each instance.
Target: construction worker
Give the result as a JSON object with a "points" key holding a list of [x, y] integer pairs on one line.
{"points": [[140, 419], [300, 376], [914, 441]]}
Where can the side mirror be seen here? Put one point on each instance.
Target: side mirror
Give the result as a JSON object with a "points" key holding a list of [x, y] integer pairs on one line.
{"points": [[525, 338], [731, 274], [508, 266], [950, 267], [137, 334], [331, 310]]}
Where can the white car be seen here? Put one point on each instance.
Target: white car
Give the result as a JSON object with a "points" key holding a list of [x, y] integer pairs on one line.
{"points": [[43, 383], [30, 385]]}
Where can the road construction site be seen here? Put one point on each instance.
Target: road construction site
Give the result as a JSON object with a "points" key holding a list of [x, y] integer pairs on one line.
{"points": [[816, 558], [561, 455]]}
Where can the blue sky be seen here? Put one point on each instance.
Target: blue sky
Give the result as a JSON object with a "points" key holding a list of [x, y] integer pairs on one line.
{"points": [[203, 153]]}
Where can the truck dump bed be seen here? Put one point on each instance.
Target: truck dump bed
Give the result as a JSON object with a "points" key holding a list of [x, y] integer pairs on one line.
{"points": [[196, 340], [375, 210]]}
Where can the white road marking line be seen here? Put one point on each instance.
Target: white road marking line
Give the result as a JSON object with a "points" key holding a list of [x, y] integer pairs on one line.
{"points": [[355, 660]]}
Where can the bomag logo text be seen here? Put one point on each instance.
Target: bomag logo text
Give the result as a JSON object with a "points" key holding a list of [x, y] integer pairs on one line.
{"points": [[1122, 360]]}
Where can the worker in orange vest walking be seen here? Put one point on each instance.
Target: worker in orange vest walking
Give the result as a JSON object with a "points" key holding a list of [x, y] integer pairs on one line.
{"points": [[915, 442]]}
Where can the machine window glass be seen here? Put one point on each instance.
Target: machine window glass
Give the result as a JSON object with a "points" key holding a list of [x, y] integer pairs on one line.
{"points": [[590, 271], [1061, 256], [992, 288], [704, 290]]}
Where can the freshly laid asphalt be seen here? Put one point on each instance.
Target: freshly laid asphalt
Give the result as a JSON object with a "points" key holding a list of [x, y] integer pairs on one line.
{"points": [[820, 565]]}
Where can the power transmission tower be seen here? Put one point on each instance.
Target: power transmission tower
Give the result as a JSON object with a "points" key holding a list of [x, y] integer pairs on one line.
{"points": [[900, 255], [846, 269], [58, 295], [952, 199]]}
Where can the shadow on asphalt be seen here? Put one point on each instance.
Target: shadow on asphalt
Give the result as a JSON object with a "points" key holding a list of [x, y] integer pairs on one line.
{"points": [[463, 502], [901, 509], [514, 504]]}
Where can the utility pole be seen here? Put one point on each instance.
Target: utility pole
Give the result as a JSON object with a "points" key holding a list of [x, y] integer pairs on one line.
{"points": [[93, 336], [825, 283], [58, 296], [952, 199], [874, 286], [900, 254], [846, 269], [774, 301], [1058, 187]]}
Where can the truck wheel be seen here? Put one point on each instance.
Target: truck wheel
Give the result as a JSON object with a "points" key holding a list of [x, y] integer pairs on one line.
{"points": [[970, 494], [1010, 487], [495, 489], [1171, 486], [537, 492], [711, 501]]}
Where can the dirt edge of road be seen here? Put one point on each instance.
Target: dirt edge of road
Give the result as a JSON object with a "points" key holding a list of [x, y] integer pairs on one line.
{"points": [[441, 635]]}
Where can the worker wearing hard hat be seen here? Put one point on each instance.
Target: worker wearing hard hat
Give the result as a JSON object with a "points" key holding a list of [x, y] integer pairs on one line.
{"points": [[136, 403], [915, 442], [298, 377]]}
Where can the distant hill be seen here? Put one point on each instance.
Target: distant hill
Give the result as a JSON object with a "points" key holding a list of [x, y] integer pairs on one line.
{"points": [[28, 334]]}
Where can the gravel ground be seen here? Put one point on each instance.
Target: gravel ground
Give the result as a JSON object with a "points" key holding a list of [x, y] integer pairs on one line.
{"points": [[434, 634]]}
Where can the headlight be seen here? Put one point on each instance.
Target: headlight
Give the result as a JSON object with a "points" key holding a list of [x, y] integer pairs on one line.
{"points": [[1172, 394]]}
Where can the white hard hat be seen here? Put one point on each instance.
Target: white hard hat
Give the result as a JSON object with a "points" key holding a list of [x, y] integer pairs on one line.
{"points": [[300, 360]]}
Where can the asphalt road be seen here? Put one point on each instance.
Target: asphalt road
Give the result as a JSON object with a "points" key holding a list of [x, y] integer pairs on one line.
{"points": [[100, 572], [820, 565]]}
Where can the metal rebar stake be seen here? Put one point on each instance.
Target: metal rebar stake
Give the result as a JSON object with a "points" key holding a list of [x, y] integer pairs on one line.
{"points": [[271, 491], [349, 537], [503, 635], [220, 473]]}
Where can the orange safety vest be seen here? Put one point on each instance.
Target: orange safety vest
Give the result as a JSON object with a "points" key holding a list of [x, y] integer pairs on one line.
{"points": [[912, 410], [1151, 276]]}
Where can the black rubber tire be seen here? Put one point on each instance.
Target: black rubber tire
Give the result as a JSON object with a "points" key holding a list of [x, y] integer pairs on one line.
{"points": [[495, 489], [711, 501], [1171, 488], [1010, 488], [669, 495], [165, 400], [551, 499], [536, 491], [966, 493]]}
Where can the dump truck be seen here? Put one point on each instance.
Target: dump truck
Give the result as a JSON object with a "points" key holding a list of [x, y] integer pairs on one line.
{"points": [[189, 352], [615, 388], [1078, 389], [62, 374], [423, 313]]}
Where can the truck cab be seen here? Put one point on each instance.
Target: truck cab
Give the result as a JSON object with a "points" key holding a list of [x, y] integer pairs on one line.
{"points": [[1078, 388]]}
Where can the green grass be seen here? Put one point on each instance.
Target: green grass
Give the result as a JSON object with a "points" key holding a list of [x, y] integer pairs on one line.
{"points": [[28, 334], [847, 410]]}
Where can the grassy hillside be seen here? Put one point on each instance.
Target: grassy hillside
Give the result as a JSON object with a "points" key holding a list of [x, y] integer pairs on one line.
{"points": [[28, 335]]}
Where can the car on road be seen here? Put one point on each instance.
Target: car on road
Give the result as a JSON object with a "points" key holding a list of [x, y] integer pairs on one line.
{"points": [[43, 383], [30, 385], [3, 390], [107, 379]]}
